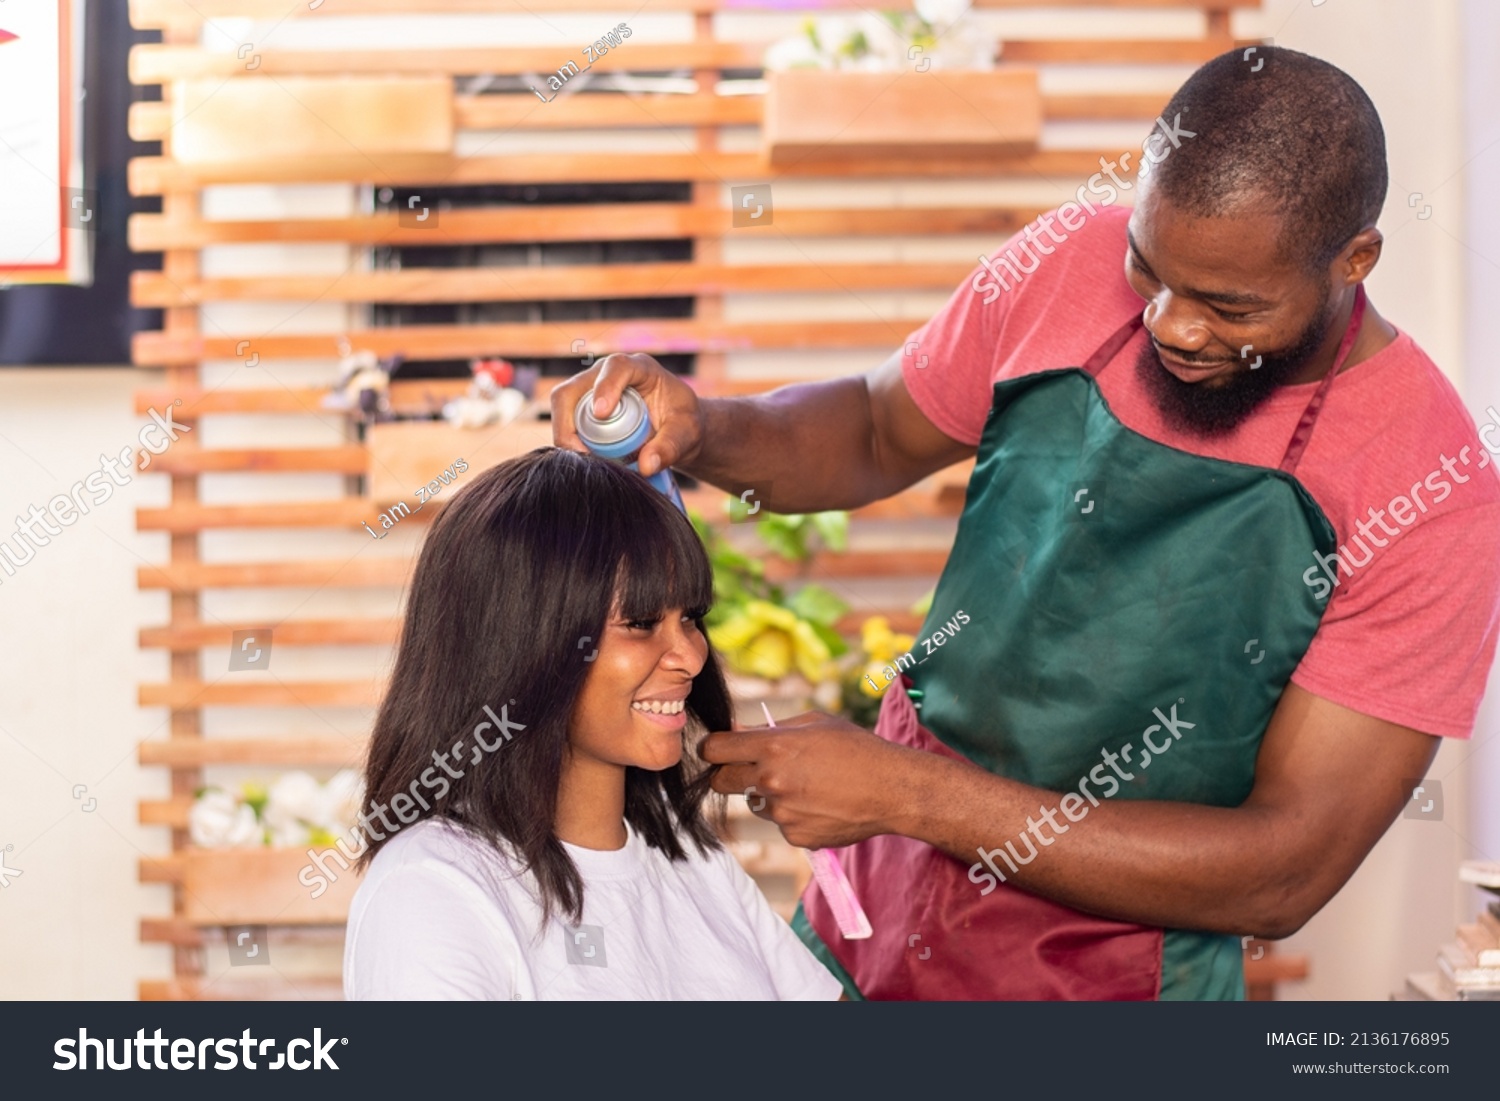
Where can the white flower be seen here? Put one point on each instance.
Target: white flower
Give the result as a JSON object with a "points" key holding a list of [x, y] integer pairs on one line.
{"points": [[793, 53], [940, 13], [887, 46], [833, 31], [294, 798], [220, 821], [293, 836], [342, 796], [965, 46]]}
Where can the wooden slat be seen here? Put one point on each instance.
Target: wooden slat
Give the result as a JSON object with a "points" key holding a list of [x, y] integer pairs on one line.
{"points": [[383, 631], [287, 752], [259, 692], [410, 395], [170, 931], [394, 572], [182, 932], [1112, 51], [346, 512], [149, 121], [1109, 107], [156, 175], [301, 116], [352, 513], [520, 284], [159, 14], [275, 988], [293, 632], [172, 812], [654, 336], [605, 112], [348, 459], [1272, 968], [155, 64], [160, 869], [605, 222], [197, 402], [390, 572]]}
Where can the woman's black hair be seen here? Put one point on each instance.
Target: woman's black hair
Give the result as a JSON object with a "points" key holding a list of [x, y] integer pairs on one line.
{"points": [[515, 584]]}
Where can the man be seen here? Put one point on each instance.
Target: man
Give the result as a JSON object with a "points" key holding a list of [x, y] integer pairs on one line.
{"points": [[1227, 566]]}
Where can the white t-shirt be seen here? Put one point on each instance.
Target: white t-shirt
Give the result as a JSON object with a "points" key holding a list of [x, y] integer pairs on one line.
{"points": [[441, 915]]}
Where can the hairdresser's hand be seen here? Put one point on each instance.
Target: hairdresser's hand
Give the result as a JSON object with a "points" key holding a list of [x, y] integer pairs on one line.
{"points": [[825, 781], [675, 413]]}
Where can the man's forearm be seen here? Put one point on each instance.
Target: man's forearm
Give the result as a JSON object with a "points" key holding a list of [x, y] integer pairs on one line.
{"points": [[801, 448], [1177, 865]]}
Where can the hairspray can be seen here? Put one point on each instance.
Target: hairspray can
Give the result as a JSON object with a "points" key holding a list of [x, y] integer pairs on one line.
{"points": [[621, 435]]}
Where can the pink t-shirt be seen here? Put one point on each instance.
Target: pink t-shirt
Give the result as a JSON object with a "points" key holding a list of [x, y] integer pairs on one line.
{"points": [[1409, 632]]}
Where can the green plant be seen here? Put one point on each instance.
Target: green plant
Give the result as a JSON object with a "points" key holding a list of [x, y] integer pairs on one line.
{"points": [[751, 635]]}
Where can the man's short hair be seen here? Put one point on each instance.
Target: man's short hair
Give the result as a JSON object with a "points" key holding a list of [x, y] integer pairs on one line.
{"points": [[1296, 134]]}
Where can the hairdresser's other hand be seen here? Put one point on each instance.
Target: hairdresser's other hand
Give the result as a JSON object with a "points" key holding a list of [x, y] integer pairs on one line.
{"points": [[675, 413], [823, 780]]}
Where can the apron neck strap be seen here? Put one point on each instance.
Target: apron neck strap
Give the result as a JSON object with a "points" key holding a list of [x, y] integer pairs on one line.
{"points": [[1121, 336], [1111, 347], [1304, 430]]}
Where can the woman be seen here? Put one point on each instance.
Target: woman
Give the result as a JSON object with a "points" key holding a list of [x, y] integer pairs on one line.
{"points": [[552, 843]]}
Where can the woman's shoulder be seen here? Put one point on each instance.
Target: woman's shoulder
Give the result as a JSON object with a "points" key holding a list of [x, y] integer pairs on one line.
{"points": [[439, 914], [442, 857]]}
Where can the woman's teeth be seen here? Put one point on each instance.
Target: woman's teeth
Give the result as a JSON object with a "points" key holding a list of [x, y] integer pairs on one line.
{"points": [[659, 707]]}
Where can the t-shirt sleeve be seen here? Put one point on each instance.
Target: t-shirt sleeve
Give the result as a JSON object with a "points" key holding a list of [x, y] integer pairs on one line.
{"points": [[948, 361], [1410, 638], [421, 934], [796, 972]]}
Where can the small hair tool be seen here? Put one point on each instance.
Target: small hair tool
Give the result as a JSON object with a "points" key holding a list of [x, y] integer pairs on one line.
{"points": [[621, 435], [835, 884]]}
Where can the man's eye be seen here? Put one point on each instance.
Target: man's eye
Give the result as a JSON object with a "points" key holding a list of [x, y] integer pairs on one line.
{"points": [[1230, 316]]}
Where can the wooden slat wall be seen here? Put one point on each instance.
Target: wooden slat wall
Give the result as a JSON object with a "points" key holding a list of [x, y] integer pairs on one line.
{"points": [[192, 49]]}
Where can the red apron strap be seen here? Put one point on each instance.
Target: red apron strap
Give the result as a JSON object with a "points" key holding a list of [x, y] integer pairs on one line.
{"points": [[1304, 430], [1111, 347]]}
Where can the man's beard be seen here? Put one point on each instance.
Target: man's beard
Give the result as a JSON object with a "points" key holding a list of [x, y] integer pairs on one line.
{"points": [[1202, 410]]}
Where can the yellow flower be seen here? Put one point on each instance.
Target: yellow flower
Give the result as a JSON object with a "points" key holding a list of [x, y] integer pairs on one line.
{"points": [[811, 652], [872, 680], [880, 642], [768, 654], [875, 634], [765, 640]]}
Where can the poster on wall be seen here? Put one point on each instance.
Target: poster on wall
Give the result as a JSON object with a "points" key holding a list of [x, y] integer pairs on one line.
{"points": [[45, 221]]}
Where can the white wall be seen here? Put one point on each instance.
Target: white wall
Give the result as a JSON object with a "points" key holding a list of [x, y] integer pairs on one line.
{"points": [[1404, 901], [69, 665]]}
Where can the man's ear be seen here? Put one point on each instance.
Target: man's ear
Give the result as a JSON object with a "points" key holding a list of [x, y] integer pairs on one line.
{"points": [[1359, 257]]}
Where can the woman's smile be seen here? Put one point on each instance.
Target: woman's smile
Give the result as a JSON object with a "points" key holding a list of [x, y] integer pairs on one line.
{"points": [[667, 711]]}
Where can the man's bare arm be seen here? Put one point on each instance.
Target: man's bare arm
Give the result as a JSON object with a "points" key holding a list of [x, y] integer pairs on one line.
{"points": [[1328, 783], [837, 443]]}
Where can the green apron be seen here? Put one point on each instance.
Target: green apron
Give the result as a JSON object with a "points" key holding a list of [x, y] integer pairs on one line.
{"points": [[1133, 614]]}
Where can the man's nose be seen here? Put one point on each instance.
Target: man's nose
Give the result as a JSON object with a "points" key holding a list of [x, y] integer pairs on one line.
{"points": [[1173, 322]]}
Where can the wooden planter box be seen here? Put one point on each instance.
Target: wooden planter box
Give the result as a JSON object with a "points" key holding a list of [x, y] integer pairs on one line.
{"points": [[260, 887], [818, 115]]}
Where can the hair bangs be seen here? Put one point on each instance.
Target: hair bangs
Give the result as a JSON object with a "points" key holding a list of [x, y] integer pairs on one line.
{"points": [[662, 565]]}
